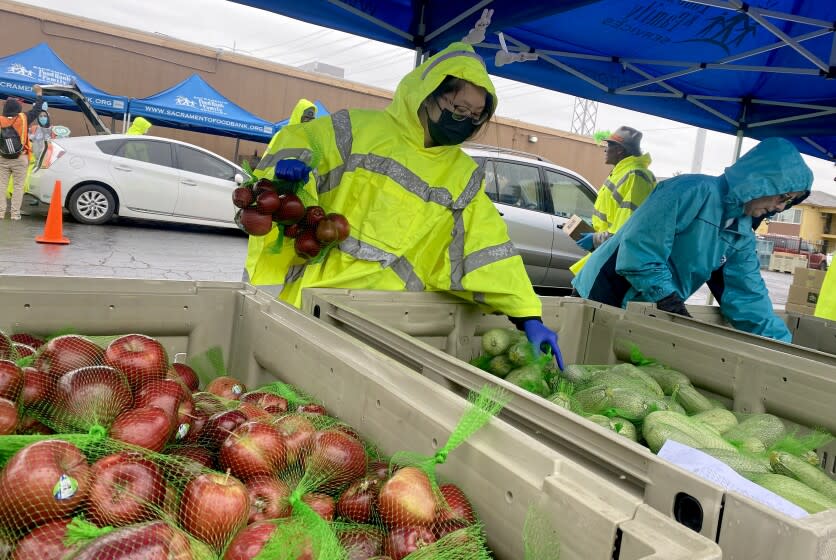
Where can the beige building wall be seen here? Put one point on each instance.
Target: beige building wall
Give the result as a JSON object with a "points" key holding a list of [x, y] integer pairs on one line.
{"points": [[127, 62]]}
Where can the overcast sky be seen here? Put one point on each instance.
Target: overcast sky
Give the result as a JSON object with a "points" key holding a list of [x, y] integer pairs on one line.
{"points": [[227, 25]]}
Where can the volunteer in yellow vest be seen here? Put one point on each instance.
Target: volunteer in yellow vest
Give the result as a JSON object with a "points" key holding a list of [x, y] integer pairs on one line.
{"points": [[273, 264], [628, 185], [826, 306], [420, 219]]}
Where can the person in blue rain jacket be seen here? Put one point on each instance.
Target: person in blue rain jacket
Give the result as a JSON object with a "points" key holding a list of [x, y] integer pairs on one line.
{"points": [[694, 228]]}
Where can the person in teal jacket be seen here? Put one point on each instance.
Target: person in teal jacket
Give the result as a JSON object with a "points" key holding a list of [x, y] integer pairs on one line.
{"points": [[693, 228]]}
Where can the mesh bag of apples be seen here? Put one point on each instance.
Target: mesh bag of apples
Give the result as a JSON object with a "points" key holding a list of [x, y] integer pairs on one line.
{"points": [[108, 450], [265, 203]]}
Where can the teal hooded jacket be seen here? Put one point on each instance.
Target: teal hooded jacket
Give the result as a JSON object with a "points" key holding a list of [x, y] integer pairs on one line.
{"points": [[692, 227]]}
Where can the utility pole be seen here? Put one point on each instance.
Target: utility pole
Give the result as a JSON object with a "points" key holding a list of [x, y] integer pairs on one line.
{"points": [[584, 116], [699, 151]]}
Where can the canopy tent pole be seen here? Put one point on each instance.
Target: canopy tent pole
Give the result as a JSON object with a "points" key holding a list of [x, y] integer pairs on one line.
{"points": [[237, 146], [126, 123]]}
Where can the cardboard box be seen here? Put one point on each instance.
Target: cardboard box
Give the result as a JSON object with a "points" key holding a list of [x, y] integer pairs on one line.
{"points": [[808, 277], [576, 227], [803, 295], [800, 309]]}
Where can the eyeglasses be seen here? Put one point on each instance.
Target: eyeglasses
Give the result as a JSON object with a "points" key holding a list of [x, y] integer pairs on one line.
{"points": [[461, 113], [785, 198]]}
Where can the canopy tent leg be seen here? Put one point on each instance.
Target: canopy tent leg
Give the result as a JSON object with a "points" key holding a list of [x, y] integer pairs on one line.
{"points": [[237, 146], [125, 122]]}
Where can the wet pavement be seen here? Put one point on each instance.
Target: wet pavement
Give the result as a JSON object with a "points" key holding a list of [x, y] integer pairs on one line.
{"points": [[142, 249], [125, 249]]}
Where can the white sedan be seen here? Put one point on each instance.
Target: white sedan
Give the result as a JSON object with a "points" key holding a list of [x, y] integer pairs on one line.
{"points": [[138, 177]]}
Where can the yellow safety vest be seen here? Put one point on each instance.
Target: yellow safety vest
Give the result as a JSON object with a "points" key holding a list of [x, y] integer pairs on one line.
{"points": [[420, 219], [627, 187], [826, 305]]}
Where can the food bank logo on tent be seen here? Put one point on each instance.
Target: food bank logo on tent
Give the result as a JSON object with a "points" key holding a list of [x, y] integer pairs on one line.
{"points": [[210, 105], [184, 101], [20, 70], [50, 76]]}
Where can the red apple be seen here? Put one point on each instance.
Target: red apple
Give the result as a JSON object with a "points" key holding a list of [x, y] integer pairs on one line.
{"points": [[341, 223], [265, 184], [268, 202], [272, 403], [336, 459], [378, 469], [307, 245], [362, 542], [149, 427], [322, 504], [141, 358], [298, 434], [443, 528], [185, 374], [249, 541], [311, 408], [455, 505], [252, 450], [219, 426], [291, 210], [313, 215], [199, 455], [23, 350], [172, 397], [38, 389], [125, 488], [29, 425], [45, 543], [359, 501], [8, 417], [254, 222], [407, 499], [28, 339], [326, 232], [150, 540], [66, 353], [11, 380], [253, 412], [198, 422], [214, 507], [403, 541], [268, 498], [243, 197], [89, 396], [208, 402], [44, 481], [227, 388], [292, 231]]}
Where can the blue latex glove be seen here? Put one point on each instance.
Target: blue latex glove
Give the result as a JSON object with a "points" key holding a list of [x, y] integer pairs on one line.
{"points": [[585, 242], [292, 170], [539, 335]]}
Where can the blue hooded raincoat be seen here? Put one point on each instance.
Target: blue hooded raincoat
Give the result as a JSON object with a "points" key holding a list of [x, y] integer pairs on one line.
{"points": [[692, 227]]}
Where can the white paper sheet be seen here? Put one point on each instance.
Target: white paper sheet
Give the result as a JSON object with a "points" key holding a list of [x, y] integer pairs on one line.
{"points": [[707, 467]]}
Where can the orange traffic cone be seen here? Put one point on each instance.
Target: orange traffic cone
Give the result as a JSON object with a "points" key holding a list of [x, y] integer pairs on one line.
{"points": [[53, 229]]}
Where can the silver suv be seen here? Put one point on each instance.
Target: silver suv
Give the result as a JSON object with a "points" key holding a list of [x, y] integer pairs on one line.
{"points": [[536, 198]]}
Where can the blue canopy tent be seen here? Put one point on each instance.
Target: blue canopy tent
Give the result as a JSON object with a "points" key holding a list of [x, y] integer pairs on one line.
{"points": [[756, 69], [195, 105], [41, 66], [321, 111]]}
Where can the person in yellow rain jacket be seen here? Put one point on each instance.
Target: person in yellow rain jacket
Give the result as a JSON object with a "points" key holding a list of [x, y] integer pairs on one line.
{"points": [[419, 216], [139, 127], [270, 274], [826, 305], [626, 188]]}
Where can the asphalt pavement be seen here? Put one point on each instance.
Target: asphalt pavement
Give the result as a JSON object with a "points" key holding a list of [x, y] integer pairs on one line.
{"points": [[142, 249]]}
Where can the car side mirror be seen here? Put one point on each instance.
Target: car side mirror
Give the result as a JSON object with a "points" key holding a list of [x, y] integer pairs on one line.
{"points": [[239, 179]]}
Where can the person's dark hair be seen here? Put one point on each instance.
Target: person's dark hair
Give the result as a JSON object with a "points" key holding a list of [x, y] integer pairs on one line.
{"points": [[452, 84], [12, 107]]}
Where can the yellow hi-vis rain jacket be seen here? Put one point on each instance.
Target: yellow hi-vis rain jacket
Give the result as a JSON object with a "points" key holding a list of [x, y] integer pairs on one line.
{"points": [[628, 185], [826, 305], [420, 219], [271, 274]]}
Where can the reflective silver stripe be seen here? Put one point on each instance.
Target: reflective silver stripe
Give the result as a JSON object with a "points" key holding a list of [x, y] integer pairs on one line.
{"points": [[447, 56], [601, 216], [294, 273], [479, 297], [471, 190], [610, 185], [489, 255], [629, 206], [270, 160], [399, 265], [245, 277], [456, 251], [342, 133], [330, 180]]}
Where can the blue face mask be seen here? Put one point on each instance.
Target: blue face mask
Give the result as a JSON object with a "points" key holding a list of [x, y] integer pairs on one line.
{"points": [[43, 121]]}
